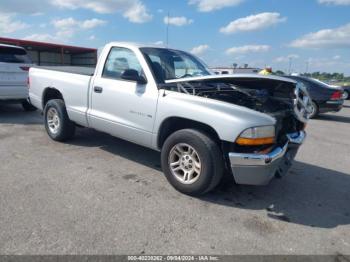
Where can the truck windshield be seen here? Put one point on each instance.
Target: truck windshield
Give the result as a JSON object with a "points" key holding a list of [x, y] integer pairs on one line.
{"points": [[168, 64], [14, 55]]}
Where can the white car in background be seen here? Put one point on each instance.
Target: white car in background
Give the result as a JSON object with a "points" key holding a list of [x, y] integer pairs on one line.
{"points": [[14, 68]]}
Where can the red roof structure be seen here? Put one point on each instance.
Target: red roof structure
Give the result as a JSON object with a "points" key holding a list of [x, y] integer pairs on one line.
{"points": [[61, 49]]}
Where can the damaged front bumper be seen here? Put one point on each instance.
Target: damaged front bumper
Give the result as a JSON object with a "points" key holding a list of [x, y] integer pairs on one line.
{"points": [[259, 169]]}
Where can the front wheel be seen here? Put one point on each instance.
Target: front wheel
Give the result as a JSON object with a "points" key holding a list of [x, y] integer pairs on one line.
{"points": [[192, 162], [57, 123]]}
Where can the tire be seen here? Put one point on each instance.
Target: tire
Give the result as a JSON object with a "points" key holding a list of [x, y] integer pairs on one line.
{"points": [[28, 106], [346, 95], [315, 110], [60, 128], [205, 176]]}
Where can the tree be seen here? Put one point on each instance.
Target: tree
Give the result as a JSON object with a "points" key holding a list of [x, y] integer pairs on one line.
{"points": [[280, 73], [324, 76]]}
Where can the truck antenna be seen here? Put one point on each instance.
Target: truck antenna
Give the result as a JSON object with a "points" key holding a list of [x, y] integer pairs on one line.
{"points": [[167, 29]]}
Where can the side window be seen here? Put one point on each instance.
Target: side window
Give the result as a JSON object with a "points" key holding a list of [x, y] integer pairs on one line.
{"points": [[119, 60]]}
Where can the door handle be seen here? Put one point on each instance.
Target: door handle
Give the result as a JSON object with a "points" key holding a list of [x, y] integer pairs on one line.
{"points": [[98, 89]]}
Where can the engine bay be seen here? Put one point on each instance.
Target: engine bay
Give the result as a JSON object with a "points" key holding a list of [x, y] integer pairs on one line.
{"points": [[272, 97], [265, 96]]}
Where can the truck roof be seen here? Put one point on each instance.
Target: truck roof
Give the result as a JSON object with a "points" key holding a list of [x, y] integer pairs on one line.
{"points": [[136, 45]]}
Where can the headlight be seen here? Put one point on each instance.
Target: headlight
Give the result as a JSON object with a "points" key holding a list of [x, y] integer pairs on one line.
{"points": [[255, 136]]}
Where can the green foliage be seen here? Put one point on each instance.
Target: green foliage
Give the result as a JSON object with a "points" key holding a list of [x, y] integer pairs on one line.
{"points": [[280, 73], [327, 77]]}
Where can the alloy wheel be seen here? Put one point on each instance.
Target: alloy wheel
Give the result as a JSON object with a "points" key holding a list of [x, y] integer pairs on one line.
{"points": [[184, 163]]}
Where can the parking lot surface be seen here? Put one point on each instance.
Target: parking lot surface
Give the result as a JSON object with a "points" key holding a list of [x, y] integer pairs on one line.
{"points": [[97, 194]]}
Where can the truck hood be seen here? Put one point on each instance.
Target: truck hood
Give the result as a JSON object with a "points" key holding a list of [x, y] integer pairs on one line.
{"points": [[227, 77], [266, 94]]}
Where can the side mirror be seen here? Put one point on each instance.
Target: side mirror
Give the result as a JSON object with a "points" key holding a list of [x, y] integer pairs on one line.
{"points": [[133, 75]]}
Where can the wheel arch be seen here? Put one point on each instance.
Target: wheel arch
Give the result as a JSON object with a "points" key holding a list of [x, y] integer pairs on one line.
{"points": [[51, 93], [173, 124]]}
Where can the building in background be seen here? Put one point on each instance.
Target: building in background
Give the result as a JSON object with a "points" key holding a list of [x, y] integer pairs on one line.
{"points": [[235, 70], [48, 54]]}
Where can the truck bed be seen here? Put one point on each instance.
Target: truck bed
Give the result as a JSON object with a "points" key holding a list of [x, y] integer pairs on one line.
{"points": [[80, 70], [71, 81]]}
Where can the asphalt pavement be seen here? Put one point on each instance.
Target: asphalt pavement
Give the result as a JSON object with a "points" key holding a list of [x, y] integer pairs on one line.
{"points": [[97, 194]]}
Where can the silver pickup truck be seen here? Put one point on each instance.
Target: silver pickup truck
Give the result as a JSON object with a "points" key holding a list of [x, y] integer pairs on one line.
{"points": [[204, 125]]}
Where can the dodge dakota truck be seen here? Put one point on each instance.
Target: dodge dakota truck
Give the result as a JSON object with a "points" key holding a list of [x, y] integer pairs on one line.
{"points": [[204, 125]]}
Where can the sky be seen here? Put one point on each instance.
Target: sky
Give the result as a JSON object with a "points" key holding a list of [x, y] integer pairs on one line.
{"points": [[312, 35]]}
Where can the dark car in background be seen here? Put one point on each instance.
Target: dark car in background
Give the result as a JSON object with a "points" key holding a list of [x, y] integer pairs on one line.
{"points": [[324, 97]]}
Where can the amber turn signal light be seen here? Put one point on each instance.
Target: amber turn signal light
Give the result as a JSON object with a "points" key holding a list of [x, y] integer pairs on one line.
{"points": [[242, 141]]}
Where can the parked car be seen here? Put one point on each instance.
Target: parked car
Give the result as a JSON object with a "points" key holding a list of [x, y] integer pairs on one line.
{"points": [[325, 98], [167, 100], [346, 92], [14, 67]]}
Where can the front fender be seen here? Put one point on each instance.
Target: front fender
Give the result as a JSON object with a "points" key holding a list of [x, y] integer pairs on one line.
{"points": [[228, 120]]}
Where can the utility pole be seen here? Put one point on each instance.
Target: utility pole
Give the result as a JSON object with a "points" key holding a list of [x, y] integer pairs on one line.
{"points": [[290, 66], [307, 67]]}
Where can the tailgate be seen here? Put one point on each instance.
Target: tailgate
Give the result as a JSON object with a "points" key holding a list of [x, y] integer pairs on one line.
{"points": [[12, 74]]}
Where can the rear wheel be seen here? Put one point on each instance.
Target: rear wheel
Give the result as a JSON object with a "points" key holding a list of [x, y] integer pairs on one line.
{"points": [[28, 106], [57, 123], [192, 162], [346, 95], [314, 110]]}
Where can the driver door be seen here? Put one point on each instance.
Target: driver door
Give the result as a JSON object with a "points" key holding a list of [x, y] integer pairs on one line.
{"points": [[120, 107]]}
